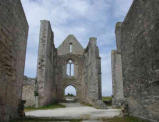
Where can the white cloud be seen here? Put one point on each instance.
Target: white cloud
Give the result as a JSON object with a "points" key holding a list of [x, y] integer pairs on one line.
{"points": [[83, 18], [31, 63], [70, 89], [121, 7], [106, 74]]}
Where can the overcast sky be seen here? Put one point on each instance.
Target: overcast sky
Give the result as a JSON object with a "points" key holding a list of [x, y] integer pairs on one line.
{"points": [[82, 18]]}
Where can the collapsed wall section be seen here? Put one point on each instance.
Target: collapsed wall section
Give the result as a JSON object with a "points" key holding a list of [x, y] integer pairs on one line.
{"points": [[46, 63], [140, 59], [13, 40]]}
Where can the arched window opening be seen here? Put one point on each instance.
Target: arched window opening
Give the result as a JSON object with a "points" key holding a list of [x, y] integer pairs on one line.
{"points": [[70, 68], [70, 47], [70, 93]]}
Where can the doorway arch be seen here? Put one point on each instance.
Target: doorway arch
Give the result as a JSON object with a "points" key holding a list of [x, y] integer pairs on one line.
{"points": [[70, 90], [70, 93]]}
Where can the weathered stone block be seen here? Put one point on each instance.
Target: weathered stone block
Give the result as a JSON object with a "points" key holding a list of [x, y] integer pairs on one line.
{"points": [[117, 79], [140, 54], [13, 39], [28, 93], [46, 63]]}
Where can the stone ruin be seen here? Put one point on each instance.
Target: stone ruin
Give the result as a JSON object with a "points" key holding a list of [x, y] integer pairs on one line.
{"points": [[117, 79], [13, 40], [54, 70], [135, 63], [137, 60], [28, 92]]}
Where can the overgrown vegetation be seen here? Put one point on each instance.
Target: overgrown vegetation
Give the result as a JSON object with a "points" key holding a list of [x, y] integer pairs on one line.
{"points": [[51, 106], [124, 119], [107, 100]]}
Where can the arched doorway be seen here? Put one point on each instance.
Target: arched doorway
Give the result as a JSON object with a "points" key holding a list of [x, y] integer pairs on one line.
{"points": [[70, 93]]}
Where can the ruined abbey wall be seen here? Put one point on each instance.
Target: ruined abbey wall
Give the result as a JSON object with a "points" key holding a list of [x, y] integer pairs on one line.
{"points": [[140, 59], [92, 74], [28, 93], [13, 39], [64, 49], [64, 55], [117, 79], [52, 75], [46, 63]]}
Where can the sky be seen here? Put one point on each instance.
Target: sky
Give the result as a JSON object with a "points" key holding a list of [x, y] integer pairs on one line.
{"points": [[82, 18]]}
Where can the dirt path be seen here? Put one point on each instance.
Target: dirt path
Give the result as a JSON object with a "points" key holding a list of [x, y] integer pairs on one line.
{"points": [[75, 111]]}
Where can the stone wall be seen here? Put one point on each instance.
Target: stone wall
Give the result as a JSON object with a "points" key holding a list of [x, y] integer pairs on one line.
{"points": [[64, 49], [28, 93], [13, 39], [64, 55], [46, 62], [117, 79], [52, 76], [92, 74], [140, 59]]}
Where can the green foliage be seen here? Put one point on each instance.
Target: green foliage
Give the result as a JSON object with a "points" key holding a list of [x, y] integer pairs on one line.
{"points": [[51, 106], [71, 95]]}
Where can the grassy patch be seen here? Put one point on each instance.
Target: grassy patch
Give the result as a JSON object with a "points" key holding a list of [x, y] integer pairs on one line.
{"points": [[45, 120], [124, 119], [115, 119], [109, 98], [52, 106], [86, 104]]}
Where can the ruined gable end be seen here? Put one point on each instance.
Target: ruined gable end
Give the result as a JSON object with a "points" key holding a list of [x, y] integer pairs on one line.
{"points": [[70, 45]]}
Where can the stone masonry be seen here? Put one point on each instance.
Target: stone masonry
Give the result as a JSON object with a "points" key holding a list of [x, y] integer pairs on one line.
{"points": [[46, 63], [13, 40], [117, 78], [140, 59], [28, 93], [92, 74], [52, 77]]}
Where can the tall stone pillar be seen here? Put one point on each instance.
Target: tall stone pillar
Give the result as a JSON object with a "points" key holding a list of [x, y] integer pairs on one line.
{"points": [[117, 80], [45, 66], [93, 74]]}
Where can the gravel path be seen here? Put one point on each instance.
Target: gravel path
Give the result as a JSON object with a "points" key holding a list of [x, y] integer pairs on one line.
{"points": [[75, 111]]}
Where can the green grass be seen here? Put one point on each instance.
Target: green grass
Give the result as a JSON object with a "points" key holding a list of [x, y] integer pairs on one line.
{"points": [[45, 120], [115, 119], [107, 98], [52, 106], [86, 104], [124, 119]]}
